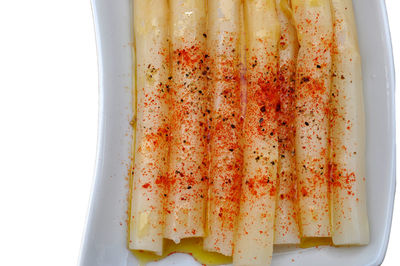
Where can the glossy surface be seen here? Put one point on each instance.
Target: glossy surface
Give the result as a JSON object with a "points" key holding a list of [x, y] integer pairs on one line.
{"points": [[105, 237]]}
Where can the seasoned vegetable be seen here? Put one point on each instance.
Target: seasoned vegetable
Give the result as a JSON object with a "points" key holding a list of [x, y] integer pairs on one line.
{"points": [[255, 232], [349, 210], [226, 127], [313, 21], [151, 149], [250, 128], [286, 226], [187, 174]]}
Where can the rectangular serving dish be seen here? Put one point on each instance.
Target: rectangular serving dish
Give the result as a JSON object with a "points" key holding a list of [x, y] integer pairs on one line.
{"points": [[104, 242]]}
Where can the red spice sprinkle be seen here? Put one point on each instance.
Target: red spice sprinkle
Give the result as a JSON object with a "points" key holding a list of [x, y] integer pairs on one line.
{"points": [[147, 185]]}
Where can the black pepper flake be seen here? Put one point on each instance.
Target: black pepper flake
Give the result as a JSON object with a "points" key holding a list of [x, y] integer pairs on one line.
{"points": [[273, 163], [189, 187], [271, 134], [205, 35], [178, 62], [206, 56], [165, 195], [261, 120], [230, 149], [233, 126], [262, 109], [307, 124], [305, 79], [179, 173], [169, 77], [208, 111], [318, 66], [342, 77], [257, 158]]}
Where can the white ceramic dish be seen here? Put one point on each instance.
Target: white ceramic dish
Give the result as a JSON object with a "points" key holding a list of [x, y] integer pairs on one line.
{"points": [[104, 242]]}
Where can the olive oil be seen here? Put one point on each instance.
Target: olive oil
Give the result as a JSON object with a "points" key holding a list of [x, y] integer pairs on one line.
{"points": [[309, 242], [192, 246]]}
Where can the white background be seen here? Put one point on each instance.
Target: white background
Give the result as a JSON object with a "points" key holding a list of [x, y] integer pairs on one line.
{"points": [[48, 129]]}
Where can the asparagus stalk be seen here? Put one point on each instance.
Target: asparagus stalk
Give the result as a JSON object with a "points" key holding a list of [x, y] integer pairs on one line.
{"points": [[349, 210], [151, 146], [286, 226], [255, 232], [187, 174], [313, 21], [223, 42]]}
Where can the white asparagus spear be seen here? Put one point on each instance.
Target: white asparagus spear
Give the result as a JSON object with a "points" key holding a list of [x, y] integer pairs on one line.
{"points": [[286, 226], [313, 21], [151, 146], [255, 231], [187, 174], [349, 210], [223, 42]]}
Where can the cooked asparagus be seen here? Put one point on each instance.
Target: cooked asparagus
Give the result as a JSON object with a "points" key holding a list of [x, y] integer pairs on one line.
{"points": [[255, 232], [151, 146], [349, 210]]}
